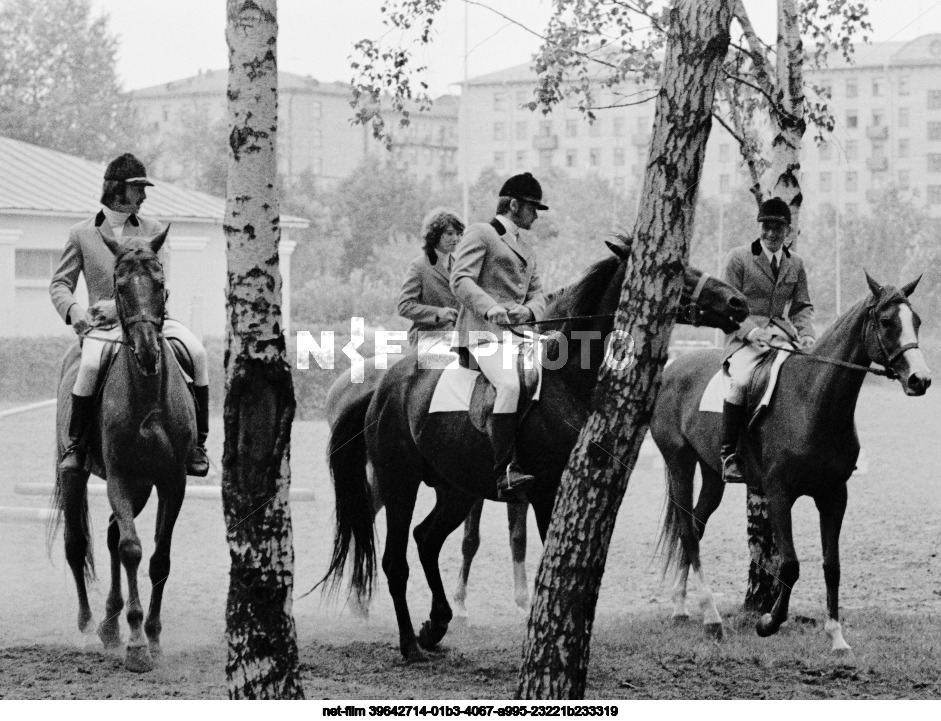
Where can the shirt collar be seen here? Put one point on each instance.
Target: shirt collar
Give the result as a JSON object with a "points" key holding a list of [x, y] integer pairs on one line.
{"points": [[510, 226], [769, 255]]}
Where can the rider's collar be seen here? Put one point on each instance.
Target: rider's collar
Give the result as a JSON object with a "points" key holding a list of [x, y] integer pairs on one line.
{"points": [[110, 216], [757, 249], [511, 227]]}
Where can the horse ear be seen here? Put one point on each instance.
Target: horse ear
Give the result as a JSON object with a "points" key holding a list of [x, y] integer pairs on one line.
{"points": [[621, 249], [873, 285], [910, 288], [157, 241]]}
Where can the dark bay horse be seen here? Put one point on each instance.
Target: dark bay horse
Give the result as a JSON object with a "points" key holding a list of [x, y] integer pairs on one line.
{"points": [[405, 445], [145, 430], [805, 442]]}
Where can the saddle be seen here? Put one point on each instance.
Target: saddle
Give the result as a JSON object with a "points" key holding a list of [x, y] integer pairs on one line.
{"points": [[484, 394]]}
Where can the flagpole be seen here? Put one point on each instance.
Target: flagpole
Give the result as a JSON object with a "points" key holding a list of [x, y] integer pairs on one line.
{"points": [[465, 187]]}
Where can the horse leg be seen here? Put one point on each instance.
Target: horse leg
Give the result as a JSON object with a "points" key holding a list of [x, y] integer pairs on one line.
{"points": [[399, 511], [710, 495], [450, 510], [138, 656], [109, 630], [468, 550], [678, 595], [516, 518], [75, 533], [789, 570], [168, 510], [832, 508]]}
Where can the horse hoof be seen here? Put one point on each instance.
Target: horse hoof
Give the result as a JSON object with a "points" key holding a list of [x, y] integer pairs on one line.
{"points": [[156, 651], [714, 630], [766, 626], [138, 659], [431, 634], [679, 619], [413, 655]]}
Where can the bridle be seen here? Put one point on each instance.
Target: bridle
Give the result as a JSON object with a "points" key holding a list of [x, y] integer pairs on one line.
{"points": [[890, 358]]}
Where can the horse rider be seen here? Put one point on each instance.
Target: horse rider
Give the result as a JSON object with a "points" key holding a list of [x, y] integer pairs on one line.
{"points": [[774, 282], [123, 193], [426, 297], [494, 276]]}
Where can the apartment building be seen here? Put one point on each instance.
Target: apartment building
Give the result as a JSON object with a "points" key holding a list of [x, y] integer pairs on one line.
{"points": [[886, 106], [315, 135]]}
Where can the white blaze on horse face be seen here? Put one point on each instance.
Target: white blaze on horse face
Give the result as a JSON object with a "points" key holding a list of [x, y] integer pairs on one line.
{"points": [[913, 357]]}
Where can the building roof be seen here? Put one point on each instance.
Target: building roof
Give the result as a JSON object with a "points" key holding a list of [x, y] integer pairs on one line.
{"points": [[215, 82], [39, 181]]}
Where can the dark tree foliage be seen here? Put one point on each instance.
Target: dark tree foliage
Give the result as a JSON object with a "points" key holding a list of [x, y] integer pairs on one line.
{"points": [[58, 83]]}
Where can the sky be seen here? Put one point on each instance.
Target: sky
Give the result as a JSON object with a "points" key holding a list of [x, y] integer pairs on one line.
{"points": [[164, 40]]}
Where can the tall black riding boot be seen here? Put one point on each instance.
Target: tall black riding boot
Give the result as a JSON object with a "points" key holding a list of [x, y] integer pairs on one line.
{"points": [[511, 480], [83, 408], [198, 462], [733, 423]]}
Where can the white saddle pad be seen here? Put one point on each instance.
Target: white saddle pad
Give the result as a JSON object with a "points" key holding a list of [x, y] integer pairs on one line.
{"points": [[456, 384], [717, 391]]}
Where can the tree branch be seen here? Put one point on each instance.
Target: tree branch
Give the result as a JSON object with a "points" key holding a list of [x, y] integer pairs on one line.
{"points": [[763, 71]]}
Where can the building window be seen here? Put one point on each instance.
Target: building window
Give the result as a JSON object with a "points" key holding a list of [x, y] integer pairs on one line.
{"points": [[522, 97], [571, 128], [825, 151], [852, 119], [522, 130], [826, 182], [852, 151], [499, 160], [499, 131], [934, 163], [620, 157], [571, 158], [904, 145], [545, 158], [877, 88], [317, 166], [934, 131], [724, 183], [520, 159], [545, 128], [316, 110], [499, 102], [852, 89], [905, 179], [877, 118], [852, 181], [31, 264], [903, 117], [852, 210], [934, 99], [724, 153], [594, 129], [903, 87], [619, 184], [316, 139], [619, 127], [594, 158], [934, 195]]}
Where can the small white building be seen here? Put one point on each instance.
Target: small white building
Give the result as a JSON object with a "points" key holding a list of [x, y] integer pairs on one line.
{"points": [[44, 192]]}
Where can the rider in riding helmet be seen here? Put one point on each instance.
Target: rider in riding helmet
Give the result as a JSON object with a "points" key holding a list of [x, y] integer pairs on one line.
{"points": [[494, 277], [774, 282], [122, 195]]}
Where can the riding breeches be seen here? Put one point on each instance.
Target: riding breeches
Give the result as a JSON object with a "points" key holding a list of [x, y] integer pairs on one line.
{"points": [[497, 362], [740, 366], [93, 346]]}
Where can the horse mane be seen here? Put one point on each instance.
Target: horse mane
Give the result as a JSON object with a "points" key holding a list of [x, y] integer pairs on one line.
{"points": [[582, 295], [889, 294]]}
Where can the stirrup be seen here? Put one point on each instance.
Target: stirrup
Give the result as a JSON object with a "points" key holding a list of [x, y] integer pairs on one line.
{"points": [[731, 470], [198, 462], [512, 485]]}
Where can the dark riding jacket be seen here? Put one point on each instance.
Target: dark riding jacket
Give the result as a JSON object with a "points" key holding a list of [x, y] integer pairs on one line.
{"points": [[785, 301], [426, 293]]}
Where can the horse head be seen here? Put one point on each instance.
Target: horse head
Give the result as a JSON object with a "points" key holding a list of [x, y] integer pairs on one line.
{"points": [[705, 300], [890, 335], [140, 297]]}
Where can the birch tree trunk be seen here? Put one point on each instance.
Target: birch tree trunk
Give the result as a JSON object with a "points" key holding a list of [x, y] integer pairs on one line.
{"points": [[556, 651], [783, 181], [259, 394]]}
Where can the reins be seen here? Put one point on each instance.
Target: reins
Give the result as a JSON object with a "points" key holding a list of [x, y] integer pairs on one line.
{"points": [[887, 372]]}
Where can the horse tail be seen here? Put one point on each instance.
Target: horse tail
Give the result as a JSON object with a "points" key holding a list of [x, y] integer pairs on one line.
{"points": [[355, 513], [678, 543], [71, 490]]}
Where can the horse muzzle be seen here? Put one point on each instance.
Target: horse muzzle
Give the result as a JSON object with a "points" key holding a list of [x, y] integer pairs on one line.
{"points": [[917, 383]]}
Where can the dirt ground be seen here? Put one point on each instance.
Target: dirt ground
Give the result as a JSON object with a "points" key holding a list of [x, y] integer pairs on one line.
{"points": [[891, 593]]}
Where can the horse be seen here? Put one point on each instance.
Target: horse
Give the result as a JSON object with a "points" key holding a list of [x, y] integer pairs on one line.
{"points": [[144, 432], [406, 446], [803, 444]]}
